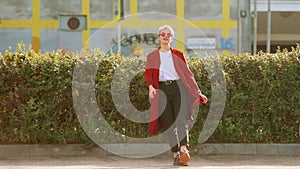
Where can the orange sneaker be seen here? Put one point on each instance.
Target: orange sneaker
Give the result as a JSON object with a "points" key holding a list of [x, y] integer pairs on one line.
{"points": [[184, 157]]}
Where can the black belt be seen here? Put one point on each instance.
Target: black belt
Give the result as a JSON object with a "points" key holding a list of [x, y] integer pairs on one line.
{"points": [[167, 82]]}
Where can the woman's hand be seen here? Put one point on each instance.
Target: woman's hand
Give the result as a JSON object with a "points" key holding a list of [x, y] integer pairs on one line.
{"points": [[203, 99], [152, 92]]}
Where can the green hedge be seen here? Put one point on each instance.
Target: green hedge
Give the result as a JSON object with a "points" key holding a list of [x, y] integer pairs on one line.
{"points": [[36, 106]]}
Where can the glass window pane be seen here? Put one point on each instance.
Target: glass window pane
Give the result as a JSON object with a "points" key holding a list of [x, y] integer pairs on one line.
{"points": [[203, 10], [51, 39], [11, 36], [22, 10], [158, 6], [233, 10], [52, 9], [101, 10]]}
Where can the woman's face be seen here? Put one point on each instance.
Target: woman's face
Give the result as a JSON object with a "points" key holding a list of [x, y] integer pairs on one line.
{"points": [[165, 36]]}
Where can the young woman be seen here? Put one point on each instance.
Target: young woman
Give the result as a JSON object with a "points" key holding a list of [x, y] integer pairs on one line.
{"points": [[173, 92]]}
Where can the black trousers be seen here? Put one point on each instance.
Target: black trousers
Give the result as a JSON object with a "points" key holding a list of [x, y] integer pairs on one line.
{"points": [[173, 109]]}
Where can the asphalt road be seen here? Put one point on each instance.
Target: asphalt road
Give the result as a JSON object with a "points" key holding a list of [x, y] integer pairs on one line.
{"points": [[158, 162]]}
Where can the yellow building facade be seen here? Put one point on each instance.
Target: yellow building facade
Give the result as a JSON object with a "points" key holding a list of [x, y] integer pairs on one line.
{"points": [[36, 25]]}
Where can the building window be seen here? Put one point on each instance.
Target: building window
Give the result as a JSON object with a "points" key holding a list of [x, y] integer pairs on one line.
{"points": [[50, 10], [101, 10], [159, 9], [203, 10]]}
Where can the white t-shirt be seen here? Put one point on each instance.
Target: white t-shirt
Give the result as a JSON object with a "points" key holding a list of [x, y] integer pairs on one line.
{"points": [[167, 70]]}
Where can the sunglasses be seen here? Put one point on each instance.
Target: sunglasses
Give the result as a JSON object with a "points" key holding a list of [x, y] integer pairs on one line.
{"points": [[165, 34]]}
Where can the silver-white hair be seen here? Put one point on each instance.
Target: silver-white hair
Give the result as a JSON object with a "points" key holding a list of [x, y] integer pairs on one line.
{"points": [[164, 27]]}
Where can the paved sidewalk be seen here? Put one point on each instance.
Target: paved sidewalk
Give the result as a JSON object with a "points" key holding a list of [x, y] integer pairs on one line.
{"points": [[143, 150], [209, 156], [158, 162]]}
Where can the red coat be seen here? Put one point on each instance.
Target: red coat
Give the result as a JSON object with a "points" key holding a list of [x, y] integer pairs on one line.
{"points": [[152, 78]]}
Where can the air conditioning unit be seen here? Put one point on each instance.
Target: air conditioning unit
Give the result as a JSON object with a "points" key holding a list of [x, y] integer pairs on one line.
{"points": [[72, 22]]}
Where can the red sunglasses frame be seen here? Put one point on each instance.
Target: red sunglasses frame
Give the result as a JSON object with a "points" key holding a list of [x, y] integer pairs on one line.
{"points": [[165, 34]]}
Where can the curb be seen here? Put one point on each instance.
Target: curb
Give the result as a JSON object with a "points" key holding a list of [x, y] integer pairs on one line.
{"points": [[142, 150], [250, 149], [42, 151]]}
